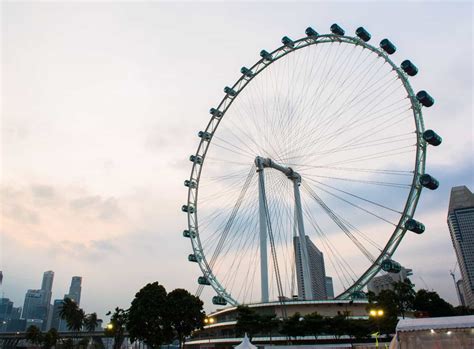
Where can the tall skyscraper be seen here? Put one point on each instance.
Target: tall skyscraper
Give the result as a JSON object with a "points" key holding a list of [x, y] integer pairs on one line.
{"points": [[33, 308], [316, 267], [461, 227], [75, 289], [55, 320], [47, 286]]}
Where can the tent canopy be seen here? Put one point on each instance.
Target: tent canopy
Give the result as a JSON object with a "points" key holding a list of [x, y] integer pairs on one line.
{"points": [[450, 322], [246, 344]]}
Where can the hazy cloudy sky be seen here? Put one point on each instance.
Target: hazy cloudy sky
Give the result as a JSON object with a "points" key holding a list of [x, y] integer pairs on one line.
{"points": [[101, 103]]}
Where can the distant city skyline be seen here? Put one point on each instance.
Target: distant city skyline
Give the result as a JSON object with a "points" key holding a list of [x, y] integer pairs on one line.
{"points": [[102, 105], [37, 308]]}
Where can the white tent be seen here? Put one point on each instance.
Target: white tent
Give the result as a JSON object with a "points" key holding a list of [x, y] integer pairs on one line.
{"points": [[434, 323], [440, 333], [245, 344]]}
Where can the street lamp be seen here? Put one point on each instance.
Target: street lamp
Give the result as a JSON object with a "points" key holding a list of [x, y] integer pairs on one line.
{"points": [[377, 314], [110, 326]]}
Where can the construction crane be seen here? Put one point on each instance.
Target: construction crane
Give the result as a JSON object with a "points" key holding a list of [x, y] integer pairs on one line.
{"points": [[451, 272]]}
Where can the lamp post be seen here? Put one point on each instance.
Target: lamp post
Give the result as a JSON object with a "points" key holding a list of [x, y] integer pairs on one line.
{"points": [[377, 314]]}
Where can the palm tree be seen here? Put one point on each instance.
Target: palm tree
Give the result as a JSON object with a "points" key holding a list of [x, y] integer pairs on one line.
{"points": [[73, 315], [34, 335], [90, 323], [68, 309]]}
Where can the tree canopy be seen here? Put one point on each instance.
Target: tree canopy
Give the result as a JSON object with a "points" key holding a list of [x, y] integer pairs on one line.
{"points": [[147, 316], [184, 312]]}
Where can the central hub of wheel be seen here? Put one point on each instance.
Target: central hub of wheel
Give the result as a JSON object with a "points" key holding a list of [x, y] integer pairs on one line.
{"points": [[262, 163]]}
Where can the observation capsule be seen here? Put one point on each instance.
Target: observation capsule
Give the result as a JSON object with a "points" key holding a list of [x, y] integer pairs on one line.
{"points": [[186, 208], [246, 71], [311, 32], [218, 300], [409, 68], [265, 55], [216, 113], [196, 159], [190, 183], [363, 34], [387, 46], [287, 42], [192, 258], [230, 91], [432, 137], [429, 181], [189, 234], [425, 99], [335, 29], [204, 135], [414, 226], [202, 280], [390, 266]]}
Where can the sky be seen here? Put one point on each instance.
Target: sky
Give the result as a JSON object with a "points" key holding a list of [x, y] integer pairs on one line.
{"points": [[101, 104]]}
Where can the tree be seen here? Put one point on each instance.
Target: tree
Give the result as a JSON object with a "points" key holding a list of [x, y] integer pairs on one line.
{"points": [[91, 322], [433, 304], [50, 339], [34, 335], [385, 300], [267, 324], [247, 321], [147, 319], [293, 326], [117, 326], [184, 312], [314, 324], [68, 309], [338, 325], [404, 296]]}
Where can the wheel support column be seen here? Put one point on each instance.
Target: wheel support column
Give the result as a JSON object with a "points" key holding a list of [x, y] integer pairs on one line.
{"points": [[261, 163]]}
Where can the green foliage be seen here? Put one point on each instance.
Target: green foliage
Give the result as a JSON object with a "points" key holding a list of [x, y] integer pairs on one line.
{"points": [[73, 315], [34, 335], [50, 338], [91, 322], [147, 320], [314, 324], [461, 310], [117, 326], [184, 312], [404, 296], [293, 326], [247, 321], [433, 304]]}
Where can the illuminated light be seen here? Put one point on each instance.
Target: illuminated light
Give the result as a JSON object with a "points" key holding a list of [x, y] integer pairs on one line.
{"points": [[110, 326], [211, 320], [206, 321], [373, 313], [449, 332], [432, 331], [380, 312]]}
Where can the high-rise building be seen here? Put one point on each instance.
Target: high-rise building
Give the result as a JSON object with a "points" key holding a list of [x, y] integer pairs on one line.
{"points": [[56, 319], [386, 281], [47, 286], [329, 288], [316, 267], [75, 289], [33, 300], [461, 227], [6, 308]]}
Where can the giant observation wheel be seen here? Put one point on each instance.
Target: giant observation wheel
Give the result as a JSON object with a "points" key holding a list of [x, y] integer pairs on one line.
{"points": [[308, 173]]}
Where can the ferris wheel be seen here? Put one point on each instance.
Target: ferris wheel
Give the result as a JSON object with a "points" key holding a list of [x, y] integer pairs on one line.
{"points": [[308, 173]]}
